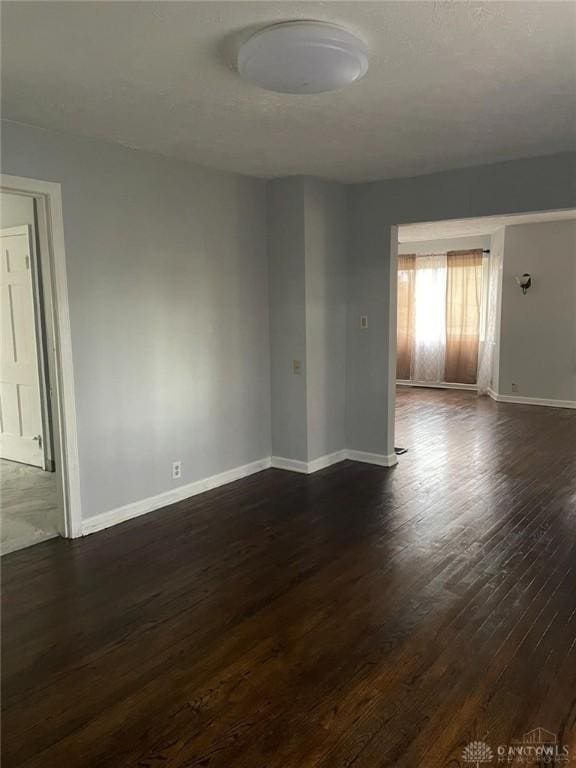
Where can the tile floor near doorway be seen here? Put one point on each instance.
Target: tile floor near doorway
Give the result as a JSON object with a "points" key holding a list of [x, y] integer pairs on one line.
{"points": [[29, 506]]}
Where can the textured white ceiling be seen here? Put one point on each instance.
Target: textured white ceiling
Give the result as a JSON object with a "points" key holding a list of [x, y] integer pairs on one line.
{"points": [[487, 225], [450, 84]]}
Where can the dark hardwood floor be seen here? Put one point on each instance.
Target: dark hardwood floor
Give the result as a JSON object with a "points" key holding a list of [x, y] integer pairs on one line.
{"points": [[357, 617]]}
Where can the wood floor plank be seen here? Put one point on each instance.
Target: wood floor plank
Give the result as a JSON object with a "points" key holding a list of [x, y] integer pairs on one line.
{"points": [[360, 616]]}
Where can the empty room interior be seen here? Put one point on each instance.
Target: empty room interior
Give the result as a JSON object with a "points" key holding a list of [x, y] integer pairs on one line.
{"points": [[288, 384]]}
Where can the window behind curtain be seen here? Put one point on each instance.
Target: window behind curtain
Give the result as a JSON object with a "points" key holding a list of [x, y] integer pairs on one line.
{"points": [[454, 348]]}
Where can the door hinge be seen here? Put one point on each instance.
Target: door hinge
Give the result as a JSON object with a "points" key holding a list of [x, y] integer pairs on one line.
{"points": [[38, 438], [27, 261]]}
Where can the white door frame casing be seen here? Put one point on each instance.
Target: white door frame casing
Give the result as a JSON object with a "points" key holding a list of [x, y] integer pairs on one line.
{"points": [[48, 196], [392, 323]]}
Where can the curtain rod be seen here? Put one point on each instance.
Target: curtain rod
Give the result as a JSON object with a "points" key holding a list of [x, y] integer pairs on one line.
{"points": [[484, 250]]}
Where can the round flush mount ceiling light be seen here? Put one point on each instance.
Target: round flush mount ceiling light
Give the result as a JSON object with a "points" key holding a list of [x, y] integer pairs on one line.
{"points": [[303, 57]]}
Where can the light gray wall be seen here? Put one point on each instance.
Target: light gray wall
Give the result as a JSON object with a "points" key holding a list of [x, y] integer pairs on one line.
{"points": [[326, 273], [538, 331], [307, 246], [538, 184], [168, 292], [168, 282], [445, 244], [286, 255]]}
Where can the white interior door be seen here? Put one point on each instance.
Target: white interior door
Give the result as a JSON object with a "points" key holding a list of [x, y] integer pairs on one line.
{"points": [[21, 433]]}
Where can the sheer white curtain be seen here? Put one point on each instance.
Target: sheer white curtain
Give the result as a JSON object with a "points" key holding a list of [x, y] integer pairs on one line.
{"points": [[429, 352], [489, 318]]}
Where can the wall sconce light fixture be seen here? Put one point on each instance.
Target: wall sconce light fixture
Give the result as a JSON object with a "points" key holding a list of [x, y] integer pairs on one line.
{"points": [[525, 281]]}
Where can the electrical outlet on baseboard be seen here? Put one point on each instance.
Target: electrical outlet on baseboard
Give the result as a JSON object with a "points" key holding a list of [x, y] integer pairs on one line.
{"points": [[515, 387], [176, 470]]}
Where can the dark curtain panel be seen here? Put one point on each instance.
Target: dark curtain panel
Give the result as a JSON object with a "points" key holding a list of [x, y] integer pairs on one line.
{"points": [[405, 329], [463, 301]]}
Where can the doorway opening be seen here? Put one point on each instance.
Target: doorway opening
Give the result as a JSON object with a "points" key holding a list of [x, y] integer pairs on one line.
{"points": [[466, 320], [31, 510], [38, 455]]}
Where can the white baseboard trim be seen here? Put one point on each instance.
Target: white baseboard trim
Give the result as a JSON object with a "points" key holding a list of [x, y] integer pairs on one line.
{"points": [[291, 465], [531, 400], [435, 385], [137, 508], [380, 459], [142, 507], [326, 461], [308, 467]]}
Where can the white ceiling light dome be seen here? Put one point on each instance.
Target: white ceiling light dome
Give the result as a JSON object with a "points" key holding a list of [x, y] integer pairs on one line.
{"points": [[303, 57]]}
